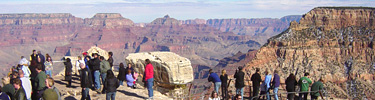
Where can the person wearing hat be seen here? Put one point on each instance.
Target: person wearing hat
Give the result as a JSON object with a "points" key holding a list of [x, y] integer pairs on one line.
{"points": [[240, 83]]}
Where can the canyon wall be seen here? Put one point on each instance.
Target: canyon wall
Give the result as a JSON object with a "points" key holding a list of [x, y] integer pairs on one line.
{"points": [[333, 43]]}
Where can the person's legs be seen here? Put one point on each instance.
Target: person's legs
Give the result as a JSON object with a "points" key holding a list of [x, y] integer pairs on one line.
{"points": [[85, 94], [150, 83], [275, 92], [97, 80], [121, 83], [300, 96], [113, 97], [242, 93], [103, 75], [268, 95], [255, 92], [108, 96], [224, 91], [314, 97], [217, 87], [305, 96]]}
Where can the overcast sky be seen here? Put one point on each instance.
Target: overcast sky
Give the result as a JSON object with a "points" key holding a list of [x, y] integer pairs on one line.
{"points": [[148, 10]]}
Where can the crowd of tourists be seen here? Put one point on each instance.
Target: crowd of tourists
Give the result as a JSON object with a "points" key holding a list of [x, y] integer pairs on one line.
{"points": [[32, 80], [268, 83]]}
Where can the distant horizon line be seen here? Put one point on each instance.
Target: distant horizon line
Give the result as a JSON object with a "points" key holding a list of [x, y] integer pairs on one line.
{"points": [[137, 22]]}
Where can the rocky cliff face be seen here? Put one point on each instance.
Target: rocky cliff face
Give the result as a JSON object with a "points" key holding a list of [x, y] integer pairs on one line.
{"points": [[108, 20], [334, 43], [259, 29]]}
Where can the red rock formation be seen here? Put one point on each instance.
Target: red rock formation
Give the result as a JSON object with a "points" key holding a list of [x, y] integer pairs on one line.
{"points": [[334, 43]]}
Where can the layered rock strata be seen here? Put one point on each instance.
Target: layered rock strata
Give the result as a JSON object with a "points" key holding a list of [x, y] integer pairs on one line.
{"points": [[333, 43]]}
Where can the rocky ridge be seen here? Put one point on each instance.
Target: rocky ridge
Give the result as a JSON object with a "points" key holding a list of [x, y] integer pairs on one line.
{"points": [[334, 43]]}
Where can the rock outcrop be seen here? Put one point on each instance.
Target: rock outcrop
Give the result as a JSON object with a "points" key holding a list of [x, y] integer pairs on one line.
{"points": [[109, 20], [170, 69], [334, 43], [166, 20]]}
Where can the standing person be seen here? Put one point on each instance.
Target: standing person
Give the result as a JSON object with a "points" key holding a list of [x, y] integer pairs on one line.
{"points": [[240, 83], [24, 61], [276, 83], [291, 84], [38, 82], [304, 84], [214, 78], [122, 73], [20, 92], [24, 67], [224, 80], [110, 85], [104, 67], [214, 96], [78, 63], [256, 79], [110, 59], [8, 87], [95, 67], [26, 84], [50, 93], [86, 82], [68, 72], [149, 78], [34, 56], [49, 66], [86, 59], [267, 83], [129, 79], [42, 60], [317, 86]]}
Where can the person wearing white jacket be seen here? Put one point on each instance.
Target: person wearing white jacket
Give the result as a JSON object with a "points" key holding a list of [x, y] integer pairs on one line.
{"points": [[26, 84], [24, 67], [78, 68]]}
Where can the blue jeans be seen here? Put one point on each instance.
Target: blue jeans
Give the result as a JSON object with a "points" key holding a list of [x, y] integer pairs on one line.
{"points": [[121, 82], [97, 79], [150, 83], [85, 94], [111, 96], [103, 75], [217, 87], [240, 90], [275, 92], [49, 72], [268, 95]]}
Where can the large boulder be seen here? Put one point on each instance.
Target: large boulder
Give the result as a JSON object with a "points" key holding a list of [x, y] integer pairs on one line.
{"points": [[170, 69], [98, 50]]}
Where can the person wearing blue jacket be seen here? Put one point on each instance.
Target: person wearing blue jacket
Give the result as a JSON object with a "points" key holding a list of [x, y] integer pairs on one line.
{"points": [[267, 81], [214, 78]]}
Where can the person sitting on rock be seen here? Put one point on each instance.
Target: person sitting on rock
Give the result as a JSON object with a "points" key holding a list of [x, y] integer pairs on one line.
{"points": [[110, 86], [129, 79]]}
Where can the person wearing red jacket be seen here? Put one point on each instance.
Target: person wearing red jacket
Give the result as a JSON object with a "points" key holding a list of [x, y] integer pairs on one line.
{"points": [[149, 78]]}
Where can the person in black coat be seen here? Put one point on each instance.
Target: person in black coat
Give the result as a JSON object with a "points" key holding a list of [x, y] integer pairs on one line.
{"points": [[256, 78], [86, 82], [95, 67], [240, 83], [224, 84], [122, 73], [110, 85], [68, 71], [291, 84]]}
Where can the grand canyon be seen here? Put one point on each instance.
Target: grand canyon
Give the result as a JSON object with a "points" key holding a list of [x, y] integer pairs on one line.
{"points": [[335, 43]]}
